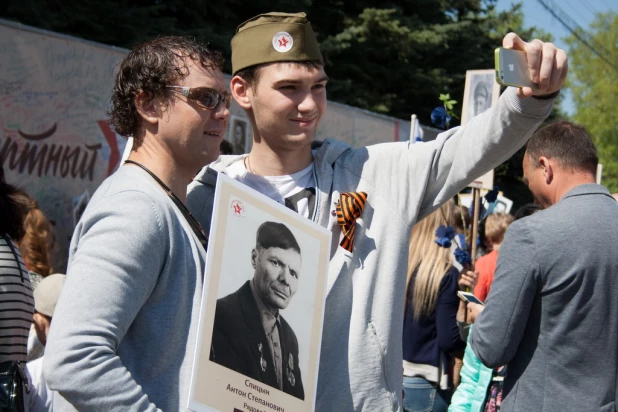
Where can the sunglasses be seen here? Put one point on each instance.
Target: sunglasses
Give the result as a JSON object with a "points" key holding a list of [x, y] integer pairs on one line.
{"points": [[205, 97]]}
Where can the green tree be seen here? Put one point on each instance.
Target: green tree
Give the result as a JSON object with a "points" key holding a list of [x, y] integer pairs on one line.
{"points": [[393, 59], [594, 84], [398, 58]]}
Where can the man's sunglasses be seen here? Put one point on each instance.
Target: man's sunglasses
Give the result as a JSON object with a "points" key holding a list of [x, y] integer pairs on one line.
{"points": [[205, 97]]}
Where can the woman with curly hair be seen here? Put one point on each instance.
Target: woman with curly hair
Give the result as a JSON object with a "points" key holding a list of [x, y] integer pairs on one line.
{"points": [[37, 242]]}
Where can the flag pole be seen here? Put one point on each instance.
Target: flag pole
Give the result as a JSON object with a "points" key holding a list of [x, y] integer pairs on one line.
{"points": [[413, 121]]}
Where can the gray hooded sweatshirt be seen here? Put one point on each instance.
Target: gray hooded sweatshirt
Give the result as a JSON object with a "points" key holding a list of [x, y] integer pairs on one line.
{"points": [[361, 355]]}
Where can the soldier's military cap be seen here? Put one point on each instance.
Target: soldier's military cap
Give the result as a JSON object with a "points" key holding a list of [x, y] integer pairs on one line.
{"points": [[274, 37]]}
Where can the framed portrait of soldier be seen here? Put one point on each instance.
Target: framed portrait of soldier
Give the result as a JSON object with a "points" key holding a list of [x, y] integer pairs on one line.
{"points": [[480, 93], [240, 135], [258, 343]]}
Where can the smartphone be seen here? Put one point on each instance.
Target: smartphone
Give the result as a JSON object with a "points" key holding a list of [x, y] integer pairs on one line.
{"points": [[512, 68], [469, 297]]}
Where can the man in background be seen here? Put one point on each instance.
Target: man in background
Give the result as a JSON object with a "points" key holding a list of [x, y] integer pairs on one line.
{"points": [[552, 309]]}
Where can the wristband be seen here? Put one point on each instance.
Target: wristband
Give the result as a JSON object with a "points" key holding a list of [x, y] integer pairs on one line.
{"points": [[548, 96]]}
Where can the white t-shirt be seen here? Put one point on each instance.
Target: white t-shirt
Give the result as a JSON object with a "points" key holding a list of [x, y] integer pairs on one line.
{"points": [[296, 191], [40, 398]]}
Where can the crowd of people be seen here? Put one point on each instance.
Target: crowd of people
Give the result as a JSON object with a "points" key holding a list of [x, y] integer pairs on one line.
{"points": [[126, 315]]}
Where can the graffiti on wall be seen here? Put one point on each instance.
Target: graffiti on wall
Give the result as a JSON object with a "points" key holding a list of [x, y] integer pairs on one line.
{"points": [[54, 139]]}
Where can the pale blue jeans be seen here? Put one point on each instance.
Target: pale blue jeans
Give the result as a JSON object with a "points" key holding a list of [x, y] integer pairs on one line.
{"points": [[420, 395]]}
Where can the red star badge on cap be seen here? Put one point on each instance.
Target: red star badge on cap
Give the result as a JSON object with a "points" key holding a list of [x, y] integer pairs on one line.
{"points": [[283, 41]]}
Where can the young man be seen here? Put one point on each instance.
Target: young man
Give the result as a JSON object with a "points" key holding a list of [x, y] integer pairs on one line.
{"points": [[124, 328], [250, 336], [552, 309], [279, 80]]}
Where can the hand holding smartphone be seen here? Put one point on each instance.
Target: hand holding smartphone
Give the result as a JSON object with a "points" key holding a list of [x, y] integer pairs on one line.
{"points": [[535, 68], [512, 68], [469, 297]]}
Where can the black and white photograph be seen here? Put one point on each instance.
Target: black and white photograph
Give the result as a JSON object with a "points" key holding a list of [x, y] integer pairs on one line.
{"points": [[251, 335], [480, 93], [240, 135], [262, 314]]}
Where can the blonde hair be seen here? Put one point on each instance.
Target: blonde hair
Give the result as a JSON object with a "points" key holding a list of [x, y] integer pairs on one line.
{"points": [[495, 227], [428, 262], [38, 238]]}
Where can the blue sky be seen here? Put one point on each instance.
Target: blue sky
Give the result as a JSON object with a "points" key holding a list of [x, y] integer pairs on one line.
{"points": [[581, 11]]}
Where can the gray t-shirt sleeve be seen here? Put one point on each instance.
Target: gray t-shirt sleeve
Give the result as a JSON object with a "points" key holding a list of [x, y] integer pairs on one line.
{"points": [[117, 254]]}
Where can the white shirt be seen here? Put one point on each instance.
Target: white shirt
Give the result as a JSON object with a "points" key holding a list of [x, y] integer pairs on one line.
{"points": [[40, 398], [296, 191]]}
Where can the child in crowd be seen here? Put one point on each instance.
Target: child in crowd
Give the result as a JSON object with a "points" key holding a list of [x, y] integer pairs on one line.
{"points": [[40, 397], [495, 228]]}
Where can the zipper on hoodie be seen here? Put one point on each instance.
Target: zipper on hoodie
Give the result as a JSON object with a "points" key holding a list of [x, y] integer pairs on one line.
{"points": [[314, 218], [394, 402]]}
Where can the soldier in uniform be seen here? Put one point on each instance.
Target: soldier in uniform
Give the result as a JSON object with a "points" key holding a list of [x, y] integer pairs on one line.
{"points": [[250, 336]]}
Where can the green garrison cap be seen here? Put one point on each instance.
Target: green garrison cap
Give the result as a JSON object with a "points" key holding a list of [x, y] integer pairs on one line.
{"points": [[274, 37]]}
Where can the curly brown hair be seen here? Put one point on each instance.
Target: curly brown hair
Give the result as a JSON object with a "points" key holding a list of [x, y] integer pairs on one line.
{"points": [[38, 237], [150, 67]]}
